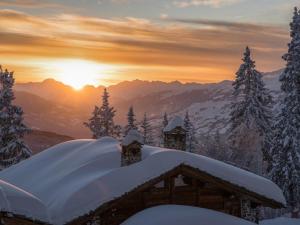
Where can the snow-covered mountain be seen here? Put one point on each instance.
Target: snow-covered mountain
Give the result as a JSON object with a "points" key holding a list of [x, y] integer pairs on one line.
{"points": [[212, 113], [53, 106]]}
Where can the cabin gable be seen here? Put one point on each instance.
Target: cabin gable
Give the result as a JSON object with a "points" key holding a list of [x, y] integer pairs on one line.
{"points": [[183, 185]]}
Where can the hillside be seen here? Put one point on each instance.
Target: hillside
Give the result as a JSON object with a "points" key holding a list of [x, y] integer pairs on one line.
{"points": [[41, 140], [58, 108], [43, 114]]}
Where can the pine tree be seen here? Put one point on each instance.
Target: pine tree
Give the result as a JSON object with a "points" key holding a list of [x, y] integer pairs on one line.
{"points": [[12, 128], [131, 121], [166, 120], [187, 121], [163, 125], [102, 121], [190, 137], [250, 116], [285, 149], [147, 131]]}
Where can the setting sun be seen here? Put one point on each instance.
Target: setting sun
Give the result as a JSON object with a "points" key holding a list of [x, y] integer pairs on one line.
{"points": [[79, 73]]}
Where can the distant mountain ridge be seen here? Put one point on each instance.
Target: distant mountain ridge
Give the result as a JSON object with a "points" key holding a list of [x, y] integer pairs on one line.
{"points": [[41, 140], [53, 106]]}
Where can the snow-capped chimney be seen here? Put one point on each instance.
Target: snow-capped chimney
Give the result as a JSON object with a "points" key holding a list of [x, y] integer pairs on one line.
{"points": [[132, 148], [175, 134]]}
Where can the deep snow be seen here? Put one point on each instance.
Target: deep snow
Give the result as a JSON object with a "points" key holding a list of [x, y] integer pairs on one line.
{"points": [[76, 177], [183, 215], [132, 136], [175, 122], [281, 221]]}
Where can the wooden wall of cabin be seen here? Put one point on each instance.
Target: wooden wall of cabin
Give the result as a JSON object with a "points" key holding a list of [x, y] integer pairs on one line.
{"points": [[195, 193]]}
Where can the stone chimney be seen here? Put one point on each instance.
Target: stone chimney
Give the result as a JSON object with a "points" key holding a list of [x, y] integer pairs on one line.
{"points": [[175, 134], [131, 148]]}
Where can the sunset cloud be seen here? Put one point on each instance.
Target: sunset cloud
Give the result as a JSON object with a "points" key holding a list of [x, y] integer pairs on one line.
{"points": [[29, 3], [214, 3], [191, 46]]}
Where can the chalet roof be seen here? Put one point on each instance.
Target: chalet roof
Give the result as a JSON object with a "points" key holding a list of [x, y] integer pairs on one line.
{"points": [[71, 179], [174, 123], [16, 201], [133, 136]]}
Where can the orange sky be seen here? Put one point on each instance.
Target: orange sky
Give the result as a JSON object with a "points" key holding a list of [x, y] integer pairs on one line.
{"points": [[115, 49]]}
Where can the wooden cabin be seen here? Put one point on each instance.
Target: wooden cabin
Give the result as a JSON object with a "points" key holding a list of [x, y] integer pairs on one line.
{"points": [[183, 185], [154, 177]]}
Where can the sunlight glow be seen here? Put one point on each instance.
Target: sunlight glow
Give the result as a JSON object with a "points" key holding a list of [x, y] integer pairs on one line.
{"points": [[79, 73]]}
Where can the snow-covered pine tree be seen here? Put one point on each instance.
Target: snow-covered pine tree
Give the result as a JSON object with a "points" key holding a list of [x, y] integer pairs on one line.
{"points": [[131, 121], [187, 122], [12, 128], [190, 139], [147, 131], [95, 125], [163, 125], [285, 168], [102, 121], [250, 117]]}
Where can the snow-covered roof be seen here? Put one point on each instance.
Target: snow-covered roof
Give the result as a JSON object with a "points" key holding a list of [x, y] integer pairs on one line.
{"points": [[133, 136], [17, 201], [173, 123], [76, 177], [179, 215]]}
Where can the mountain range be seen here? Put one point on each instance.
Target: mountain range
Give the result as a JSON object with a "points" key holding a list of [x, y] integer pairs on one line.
{"points": [[55, 107]]}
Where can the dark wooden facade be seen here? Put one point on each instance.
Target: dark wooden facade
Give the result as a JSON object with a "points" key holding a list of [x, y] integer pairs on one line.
{"points": [[175, 139], [184, 185], [198, 189]]}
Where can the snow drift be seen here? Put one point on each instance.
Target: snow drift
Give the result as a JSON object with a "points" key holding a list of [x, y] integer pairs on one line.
{"points": [[179, 215]]}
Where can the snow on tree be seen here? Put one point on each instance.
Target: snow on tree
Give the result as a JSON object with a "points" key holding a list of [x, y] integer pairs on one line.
{"points": [[131, 121], [190, 137], [12, 128], [147, 131], [285, 149], [250, 117], [102, 123], [187, 122]]}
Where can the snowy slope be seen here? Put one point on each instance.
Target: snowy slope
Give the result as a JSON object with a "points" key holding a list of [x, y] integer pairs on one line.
{"points": [[76, 177], [60, 109], [281, 221], [183, 215], [213, 114]]}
